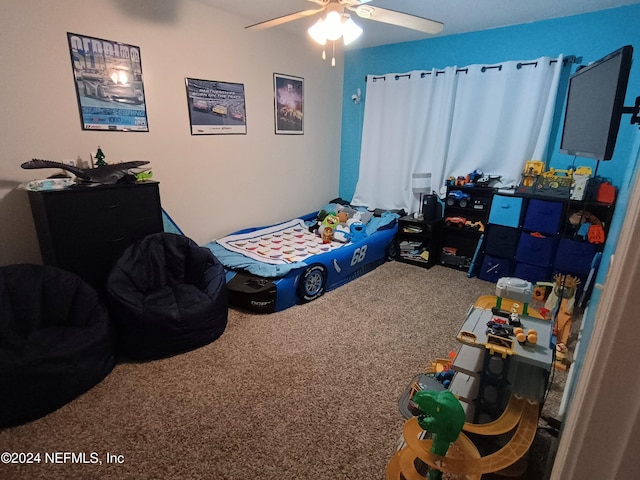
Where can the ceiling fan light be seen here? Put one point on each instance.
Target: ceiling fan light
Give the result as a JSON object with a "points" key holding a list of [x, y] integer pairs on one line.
{"points": [[333, 26], [317, 32], [350, 31]]}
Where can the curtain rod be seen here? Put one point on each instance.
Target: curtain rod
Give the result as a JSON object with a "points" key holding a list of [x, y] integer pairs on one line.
{"points": [[408, 75], [568, 60]]}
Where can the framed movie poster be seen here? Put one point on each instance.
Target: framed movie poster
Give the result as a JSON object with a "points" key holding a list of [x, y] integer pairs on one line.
{"points": [[216, 107], [109, 84], [289, 104]]}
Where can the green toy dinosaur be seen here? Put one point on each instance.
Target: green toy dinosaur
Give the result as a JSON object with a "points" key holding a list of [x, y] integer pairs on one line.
{"points": [[442, 416]]}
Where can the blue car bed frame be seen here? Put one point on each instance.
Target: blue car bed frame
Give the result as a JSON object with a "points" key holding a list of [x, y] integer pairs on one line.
{"points": [[264, 275]]}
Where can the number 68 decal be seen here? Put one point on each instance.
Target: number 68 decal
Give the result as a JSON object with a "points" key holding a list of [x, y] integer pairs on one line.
{"points": [[358, 255]]}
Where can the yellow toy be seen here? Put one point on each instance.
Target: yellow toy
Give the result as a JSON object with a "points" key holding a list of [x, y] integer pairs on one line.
{"points": [[533, 167], [463, 457]]}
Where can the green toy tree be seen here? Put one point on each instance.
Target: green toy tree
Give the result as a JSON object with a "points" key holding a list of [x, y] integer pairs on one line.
{"points": [[100, 158]]}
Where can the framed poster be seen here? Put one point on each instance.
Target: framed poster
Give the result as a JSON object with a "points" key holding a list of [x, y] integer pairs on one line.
{"points": [[109, 85], [216, 107], [289, 104]]}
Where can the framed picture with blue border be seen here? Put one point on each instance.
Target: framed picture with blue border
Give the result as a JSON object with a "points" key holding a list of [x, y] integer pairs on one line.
{"points": [[109, 84]]}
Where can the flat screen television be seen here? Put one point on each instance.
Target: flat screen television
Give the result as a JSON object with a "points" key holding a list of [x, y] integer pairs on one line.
{"points": [[595, 101]]}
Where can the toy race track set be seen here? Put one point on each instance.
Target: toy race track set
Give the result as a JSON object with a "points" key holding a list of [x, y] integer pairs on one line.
{"points": [[500, 377]]}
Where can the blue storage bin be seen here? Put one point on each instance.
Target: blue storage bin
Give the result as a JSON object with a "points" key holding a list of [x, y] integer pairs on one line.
{"points": [[535, 250], [501, 241], [542, 216], [505, 211], [532, 273], [494, 268], [574, 257]]}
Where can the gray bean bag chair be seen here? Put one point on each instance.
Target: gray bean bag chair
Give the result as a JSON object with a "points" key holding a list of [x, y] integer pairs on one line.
{"points": [[56, 341], [167, 295]]}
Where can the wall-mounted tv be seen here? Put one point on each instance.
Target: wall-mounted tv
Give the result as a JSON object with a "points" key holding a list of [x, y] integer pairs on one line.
{"points": [[595, 101]]}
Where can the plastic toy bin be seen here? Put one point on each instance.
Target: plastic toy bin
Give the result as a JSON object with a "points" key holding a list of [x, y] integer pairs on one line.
{"points": [[536, 250], [505, 211], [543, 216]]}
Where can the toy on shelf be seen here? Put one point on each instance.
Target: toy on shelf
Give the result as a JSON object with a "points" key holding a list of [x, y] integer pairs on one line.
{"points": [[474, 179], [144, 176], [100, 156], [107, 174], [570, 183], [589, 226], [532, 170], [459, 197], [581, 176]]}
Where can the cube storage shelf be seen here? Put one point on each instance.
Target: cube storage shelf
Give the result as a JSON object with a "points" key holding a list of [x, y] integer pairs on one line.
{"points": [[531, 237]]}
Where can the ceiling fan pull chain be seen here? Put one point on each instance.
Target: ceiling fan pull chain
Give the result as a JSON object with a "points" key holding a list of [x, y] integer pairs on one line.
{"points": [[333, 55]]}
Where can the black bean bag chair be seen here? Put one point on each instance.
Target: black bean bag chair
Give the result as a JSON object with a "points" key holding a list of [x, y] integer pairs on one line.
{"points": [[56, 341], [167, 295]]}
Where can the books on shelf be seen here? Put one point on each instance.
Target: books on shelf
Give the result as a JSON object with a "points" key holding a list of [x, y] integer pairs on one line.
{"points": [[414, 251]]}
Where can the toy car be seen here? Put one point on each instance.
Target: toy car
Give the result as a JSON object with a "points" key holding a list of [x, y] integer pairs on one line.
{"points": [[474, 225], [451, 221], [458, 196]]}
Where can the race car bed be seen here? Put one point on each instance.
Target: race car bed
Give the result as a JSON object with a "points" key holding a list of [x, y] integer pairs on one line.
{"points": [[273, 268]]}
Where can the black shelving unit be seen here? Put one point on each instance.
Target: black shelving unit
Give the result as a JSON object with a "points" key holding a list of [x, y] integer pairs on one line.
{"points": [[418, 241], [464, 224]]}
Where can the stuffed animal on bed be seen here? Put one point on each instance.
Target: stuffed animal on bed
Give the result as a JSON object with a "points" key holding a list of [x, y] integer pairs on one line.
{"points": [[342, 233], [319, 218], [358, 231], [327, 235], [330, 221], [356, 217]]}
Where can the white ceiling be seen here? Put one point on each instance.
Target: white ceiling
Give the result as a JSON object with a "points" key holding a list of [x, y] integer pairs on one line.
{"points": [[458, 16]]}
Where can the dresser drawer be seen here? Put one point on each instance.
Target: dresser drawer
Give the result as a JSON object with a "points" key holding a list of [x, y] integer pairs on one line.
{"points": [[85, 229]]}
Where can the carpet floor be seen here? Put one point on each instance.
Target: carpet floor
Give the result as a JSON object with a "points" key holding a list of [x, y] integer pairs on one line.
{"points": [[308, 393]]}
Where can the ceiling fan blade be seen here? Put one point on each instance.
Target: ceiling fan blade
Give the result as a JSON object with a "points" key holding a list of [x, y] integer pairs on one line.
{"points": [[284, 19], [397, 18]]}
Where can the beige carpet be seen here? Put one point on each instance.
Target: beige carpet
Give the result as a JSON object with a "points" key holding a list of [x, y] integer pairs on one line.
{"points": [[308, 393]]}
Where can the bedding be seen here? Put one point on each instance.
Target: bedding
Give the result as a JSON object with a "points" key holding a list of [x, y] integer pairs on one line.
{"points": [[277, 266]]}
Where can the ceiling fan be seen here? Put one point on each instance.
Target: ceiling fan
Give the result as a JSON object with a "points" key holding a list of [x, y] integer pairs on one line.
{"points": [[338, 23]]}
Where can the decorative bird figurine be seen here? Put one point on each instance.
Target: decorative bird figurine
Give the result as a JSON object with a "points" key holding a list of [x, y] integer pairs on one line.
{"points": [[108, 174]]}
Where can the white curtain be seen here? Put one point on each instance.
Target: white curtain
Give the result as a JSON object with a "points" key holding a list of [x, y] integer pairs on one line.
{"points": [[451, 122]]}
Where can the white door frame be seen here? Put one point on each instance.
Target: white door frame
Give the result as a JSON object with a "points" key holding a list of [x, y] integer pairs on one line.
{"points": [[601, 433]]}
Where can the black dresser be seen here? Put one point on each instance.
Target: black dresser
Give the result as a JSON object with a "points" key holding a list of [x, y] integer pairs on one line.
{"points": [[85, 229]]}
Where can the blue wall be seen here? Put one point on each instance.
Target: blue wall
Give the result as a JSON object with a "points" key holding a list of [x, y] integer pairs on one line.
{"points": [[590, 36]]}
